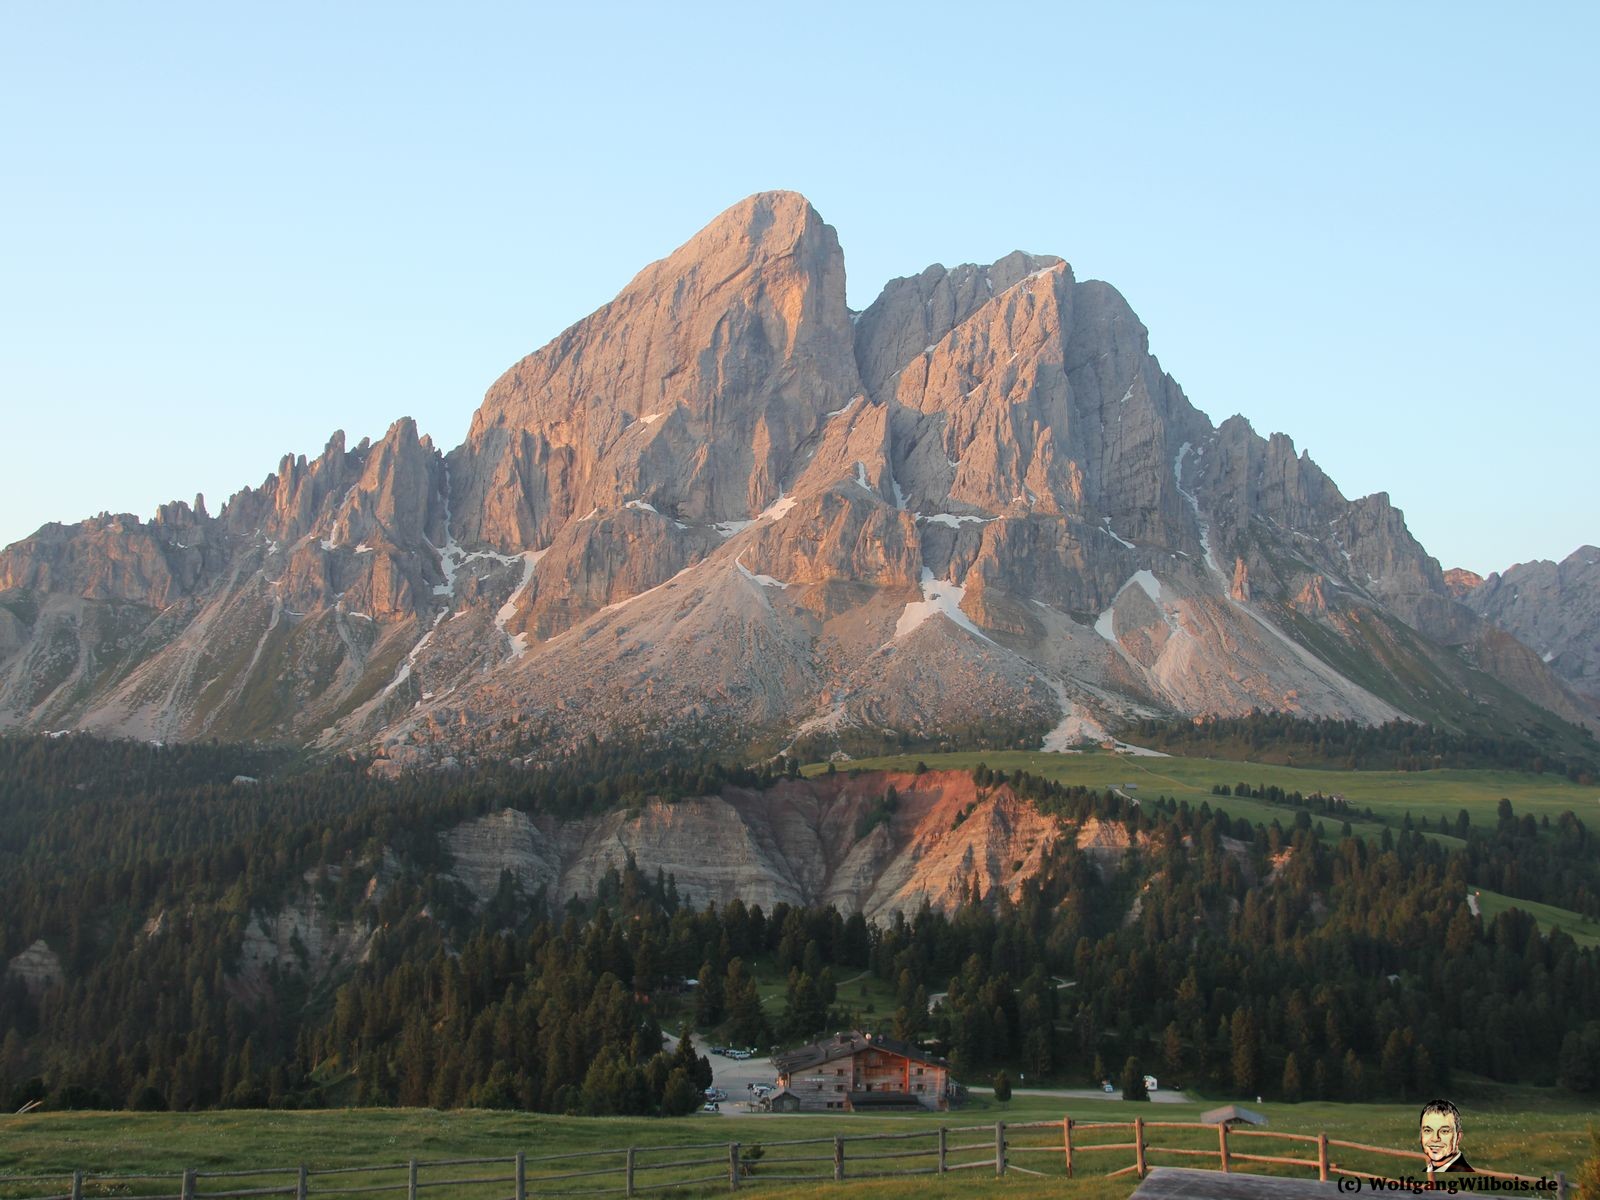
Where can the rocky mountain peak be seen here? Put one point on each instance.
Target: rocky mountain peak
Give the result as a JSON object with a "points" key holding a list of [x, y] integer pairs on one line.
{"points": [[723, 508], [692, 391], [1459, 581]]}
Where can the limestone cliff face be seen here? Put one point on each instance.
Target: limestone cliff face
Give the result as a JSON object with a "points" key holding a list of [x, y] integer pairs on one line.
{"points": [[38, 967], [801, 842], [722, 510], [1552, 608], [266, 619], [1044, 400], [300, 938], [691, 391], [914, 314], [605, 559]]}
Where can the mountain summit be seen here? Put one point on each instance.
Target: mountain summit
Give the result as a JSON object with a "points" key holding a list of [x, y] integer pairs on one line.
{"points": [[725, 509]]}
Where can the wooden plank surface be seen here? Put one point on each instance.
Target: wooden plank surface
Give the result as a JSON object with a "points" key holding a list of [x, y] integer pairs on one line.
{"points": [[1186, 1183]]}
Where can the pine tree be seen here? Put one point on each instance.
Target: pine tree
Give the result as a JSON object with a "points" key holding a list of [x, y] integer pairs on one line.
{"points": [[1245, 1051], [680, 1096], [746, 1022], [1172, 1051], [1394, 1064], [696, 1066], [1133, 1080], [1354, 1078], [1291, 1080]]}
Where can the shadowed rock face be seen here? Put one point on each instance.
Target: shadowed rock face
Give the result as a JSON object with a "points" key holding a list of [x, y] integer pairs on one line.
{"points": [[724, 509], [1551, 608], [38, 967]]}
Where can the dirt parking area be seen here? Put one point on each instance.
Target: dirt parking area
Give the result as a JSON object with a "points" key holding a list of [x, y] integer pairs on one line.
{"points": [[733, 1076]]}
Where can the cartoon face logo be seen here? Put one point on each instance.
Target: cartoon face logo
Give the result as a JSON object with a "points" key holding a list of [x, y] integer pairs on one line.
{"points": [[1441, 1136]]}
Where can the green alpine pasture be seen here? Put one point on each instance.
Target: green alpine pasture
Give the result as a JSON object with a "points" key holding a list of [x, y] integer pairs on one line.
{"points": [[1435, 794], [1584, 931], [1526, 1130]]}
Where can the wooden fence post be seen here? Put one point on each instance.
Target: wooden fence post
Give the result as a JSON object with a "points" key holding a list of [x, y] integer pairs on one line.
{"points": [[411, 1179], [1222, 1143], [1561, 1185], [187, 1187], [1066, 1138], [999, 1147], [300, 1182], [943, 1147], [733, 1166], [1138, 1146], [77, 1185], [838, 1158], [628, 1185], [1322, 1157], [522, 1175]]}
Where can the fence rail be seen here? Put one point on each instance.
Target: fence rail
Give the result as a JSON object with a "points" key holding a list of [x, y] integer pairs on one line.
{"points": [[836, 1158]]}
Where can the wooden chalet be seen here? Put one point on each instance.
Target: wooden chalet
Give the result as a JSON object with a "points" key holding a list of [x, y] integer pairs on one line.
{"points": [[856, 1072]]}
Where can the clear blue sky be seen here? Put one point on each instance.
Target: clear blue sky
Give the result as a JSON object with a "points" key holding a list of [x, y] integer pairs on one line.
{"points": [[226, 230]]}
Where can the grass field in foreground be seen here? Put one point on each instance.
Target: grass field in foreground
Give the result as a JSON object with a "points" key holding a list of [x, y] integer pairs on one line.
{"points": [[1436, 794], [1526, 1130]]}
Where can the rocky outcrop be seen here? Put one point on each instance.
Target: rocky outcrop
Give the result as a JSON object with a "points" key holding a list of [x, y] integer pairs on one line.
{"points": [[912, 314], [691, 391], [294, 604], [38, 967], [1552, 608], [301, 937], [822, 841], [605, 559]]}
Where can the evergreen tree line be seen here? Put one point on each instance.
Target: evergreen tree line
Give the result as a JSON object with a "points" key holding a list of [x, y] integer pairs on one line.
{"points": [[1530, 859], [1393, 746], [1234, 957]]}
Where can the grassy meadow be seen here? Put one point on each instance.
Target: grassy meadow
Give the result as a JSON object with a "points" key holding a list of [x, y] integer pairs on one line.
{"points": [[1526, 1130], [1583, 931], [1438, 795]]}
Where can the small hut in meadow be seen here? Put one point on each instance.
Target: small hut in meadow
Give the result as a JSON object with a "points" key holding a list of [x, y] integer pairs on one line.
{"points": [[1232, 1114]]}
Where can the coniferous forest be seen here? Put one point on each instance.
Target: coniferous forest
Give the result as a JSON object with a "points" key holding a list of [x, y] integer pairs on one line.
{"points": [[1287, 959]]}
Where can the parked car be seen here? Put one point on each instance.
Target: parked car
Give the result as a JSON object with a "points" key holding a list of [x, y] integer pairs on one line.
{"points": [[710, 1106]]}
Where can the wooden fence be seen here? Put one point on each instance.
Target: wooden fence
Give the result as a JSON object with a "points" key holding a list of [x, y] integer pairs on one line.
{"points": [[1053, 1148], [1324, 1164]]}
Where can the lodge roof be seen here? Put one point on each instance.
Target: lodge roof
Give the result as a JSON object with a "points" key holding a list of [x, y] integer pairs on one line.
{"points": [[848, 1045]]}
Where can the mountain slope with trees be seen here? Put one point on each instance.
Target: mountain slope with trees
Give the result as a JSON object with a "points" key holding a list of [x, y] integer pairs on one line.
{"points": [[1283, 958]]}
